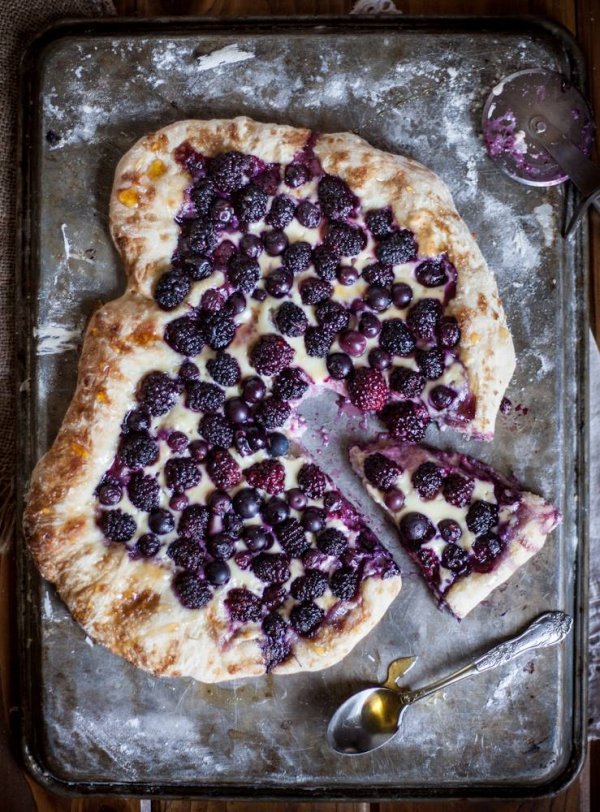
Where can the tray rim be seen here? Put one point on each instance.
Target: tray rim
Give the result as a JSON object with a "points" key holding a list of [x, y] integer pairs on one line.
{"points": [[28, 578]]}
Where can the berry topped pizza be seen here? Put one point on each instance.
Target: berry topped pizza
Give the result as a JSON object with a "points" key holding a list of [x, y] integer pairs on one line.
{"points": [[263, 264]]}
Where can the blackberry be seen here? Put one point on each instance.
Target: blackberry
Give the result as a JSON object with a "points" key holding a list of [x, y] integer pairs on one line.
{"points": [[117, 525], [458, 490], [281, 212], [250, 203], [381, 471], [138, 450], [415, 529], [431, 363], [292, 537], [344, 583], [221, 546], [181, 474], [379, 222], [243, 273], [270, 354], [318, 341], [450, 530], [271, 413], [306, 617], [345, 240], [482, 517], [297, 257], [274, 626], [290, 319], [171, 290], [335, 197], [313, 584], [428, 480], [218, 331], [143, 491], [216, 430], [268, 475], [308, 214], [406, 421], [486, 548], [161, 522], [223, 469], [184, 335], [423, 318], [332, 316], [147, 545], [203, 194], [158, 392], [224, 369], [313, 290], [201, 237], [339, 365], [456, 559], [271, 568], [396, 338], [186, 554], [202, 396], [275, 651], [448, 332], [325, 262], [228, 171], [378, 274], [312, 481], [290, 384], [221, 214], [296, 175], [244, 606], [233, 524], [431, 273], [368, 390], [192, 593], [193, 522], [332, 541], [407, 382], [398, 247]]}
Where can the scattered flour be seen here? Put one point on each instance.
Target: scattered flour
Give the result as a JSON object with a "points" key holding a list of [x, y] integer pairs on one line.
{"points": [[55, 338], [545, 217], [224, 56]]}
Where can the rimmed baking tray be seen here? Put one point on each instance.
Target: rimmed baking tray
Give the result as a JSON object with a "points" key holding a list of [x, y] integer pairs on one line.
{"points": [[93, 723]]}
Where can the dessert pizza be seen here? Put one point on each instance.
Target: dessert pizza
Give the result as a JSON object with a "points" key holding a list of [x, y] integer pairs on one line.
{"points": [[263, 263], [466, 527]]}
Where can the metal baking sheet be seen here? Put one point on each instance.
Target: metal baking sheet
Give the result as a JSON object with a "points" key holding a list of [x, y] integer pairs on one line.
{"points": [[91, 721]]}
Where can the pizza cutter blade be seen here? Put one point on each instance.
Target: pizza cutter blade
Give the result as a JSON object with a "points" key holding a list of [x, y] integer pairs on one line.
{"points": [[539, 129]]}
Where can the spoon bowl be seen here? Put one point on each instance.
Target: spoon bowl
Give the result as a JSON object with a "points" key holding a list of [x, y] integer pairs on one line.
{"points": [[366, 721]]}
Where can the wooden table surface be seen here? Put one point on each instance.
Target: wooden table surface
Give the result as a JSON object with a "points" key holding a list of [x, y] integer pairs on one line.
{"points": [[18, 793]]}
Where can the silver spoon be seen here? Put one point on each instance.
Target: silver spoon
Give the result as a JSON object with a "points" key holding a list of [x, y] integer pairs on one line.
{"points": [[370, 718]]}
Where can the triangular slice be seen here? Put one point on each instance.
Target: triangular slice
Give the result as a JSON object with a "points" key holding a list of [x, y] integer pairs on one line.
{"points": [[467, 527]]}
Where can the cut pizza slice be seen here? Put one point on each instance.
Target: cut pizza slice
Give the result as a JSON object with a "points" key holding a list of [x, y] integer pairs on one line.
{"points": [[467, 527]]}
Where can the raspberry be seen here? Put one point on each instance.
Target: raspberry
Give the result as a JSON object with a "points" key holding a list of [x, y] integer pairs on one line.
{"points": [[406, 421], [138, 450], [218, 331], [332, 542], [224, 369], [271, 354], [318, 341], [481, 517], [171, 290], [325, 262], [290, 384], [456, 559], [192, 593], [306, 617], [379, 221], [202, 396], [381, 471], [292, 537], [378, 274], [250, 203], [344, 584], [368, 390], [186, 554], [458, 490], [313, 290], [201, 237], [158, 392], [243, 605], [223, 469], [193, 522], [268, 475], [271, 413], [396, 338], [313, 584], [117, 525], [181, 474], [271, 568], [281, 212], [312, 481], [332, 316], [297, 257], [428, 480], [229, 170], [216, 430], [291, 319], [243, 273], [423, 318], [345, 240], [335, 197], [431, 363], [407, 382], [143, 491], [431, 273], [184, 335], [398, 247]]}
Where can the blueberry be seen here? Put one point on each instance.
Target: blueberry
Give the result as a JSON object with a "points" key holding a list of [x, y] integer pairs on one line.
{"points": [[486, 548], [177, 441], [347, 275], [416, 529], [178, 501], [277, 444], [237, 410], [308, 214], [369, 325], [221, 213], [450, 530], [394, 499], [109, 494], [246, 503], [220, 546], [401, 295], [377, 298], [217, 573], [431, 273], [456, 559], [379, 359], [259, 294], [296, 175], [161, 522], [251, 246], [138, 420], [448, 332], [219, 502], [353, 343], [313, 520], [148, 545], [278, 284], [198, 450], [256, 538], [332, 501], [275, 242], [235, 304], [339, 365], [275, 511], [296, 499], [257, 439]]}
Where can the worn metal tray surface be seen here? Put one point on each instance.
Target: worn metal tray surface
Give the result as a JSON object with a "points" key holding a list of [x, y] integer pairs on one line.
{"points": [[92, 722]]}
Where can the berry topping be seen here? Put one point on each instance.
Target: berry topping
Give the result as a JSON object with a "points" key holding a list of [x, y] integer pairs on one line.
{"points": [[407, 382], [181, 474], [308, 214], [223, 469], [297, 257], [431, 363], [171, 290], [313, 584], [368, 390], [456, 559], [428, 480], [143, 491], [202, 396], [396, 338], [313, 290], [268, 475], [481, 517], [325, 262], [332, 542], [335, 197], [186, 554], [194, 267], [243, 272], [147, 545], [431, 273], [243, 605], [224, 369], [345, 240], [306, 617], [416, 529], [441, 397], [271, 568], [216, 430], [271, 413], [406, 421], [250, 203], [218, 331], [281, 212], [486, 548], [291, 319], [192, 592], [193, 522], [185, 336], [450, 530], [379, 222], [378, 274], [290, 384], [228, 171], [158, 392], [339, 365], [138, 450], [344, 583], [317, 341], [117, 525], [458, 490], [312, 481], [381, 471], [448, 332], [271, 354], [399, 246], [423, 318], [161, 522], [292, 537]]}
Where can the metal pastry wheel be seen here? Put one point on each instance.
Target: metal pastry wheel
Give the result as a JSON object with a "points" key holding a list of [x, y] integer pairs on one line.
{"points": [[539, 129]]}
